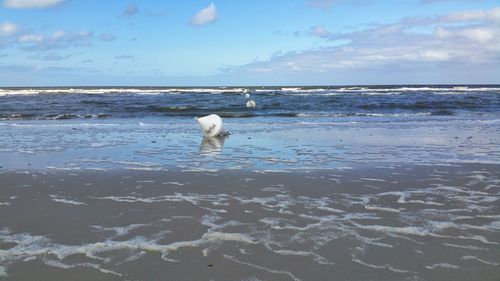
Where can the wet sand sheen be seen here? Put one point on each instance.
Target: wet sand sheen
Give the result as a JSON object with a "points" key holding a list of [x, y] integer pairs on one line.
{"points": [[408, 222]]}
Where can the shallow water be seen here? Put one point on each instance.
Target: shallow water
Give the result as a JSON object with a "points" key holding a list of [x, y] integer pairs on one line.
{"points": [[176, 143]]}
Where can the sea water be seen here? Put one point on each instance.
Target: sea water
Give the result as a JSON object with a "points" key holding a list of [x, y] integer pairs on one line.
{"points": [[291, 128]]}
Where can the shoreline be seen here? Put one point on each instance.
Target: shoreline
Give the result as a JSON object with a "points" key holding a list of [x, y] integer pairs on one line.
{"points": [[356, 224], [149, 198]]}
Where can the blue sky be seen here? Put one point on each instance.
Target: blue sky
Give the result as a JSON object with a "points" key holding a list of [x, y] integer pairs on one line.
{"points": [[243, 42]]}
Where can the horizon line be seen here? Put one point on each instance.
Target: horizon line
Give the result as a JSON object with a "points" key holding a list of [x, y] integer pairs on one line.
{"points": [[253, 86]]}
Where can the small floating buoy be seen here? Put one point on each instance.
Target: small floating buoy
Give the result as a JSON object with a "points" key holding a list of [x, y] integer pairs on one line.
{"points": [[250, 102]]}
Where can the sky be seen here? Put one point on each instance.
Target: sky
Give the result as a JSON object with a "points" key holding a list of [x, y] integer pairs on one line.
{"points": [[248, 43]]}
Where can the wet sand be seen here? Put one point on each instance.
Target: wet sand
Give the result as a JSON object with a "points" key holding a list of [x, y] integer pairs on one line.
{"points": [[406, 222], [281, 199]]}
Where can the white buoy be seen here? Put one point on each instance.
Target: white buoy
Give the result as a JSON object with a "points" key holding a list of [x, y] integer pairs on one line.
{"points": [[211, 126], [250, 103]]}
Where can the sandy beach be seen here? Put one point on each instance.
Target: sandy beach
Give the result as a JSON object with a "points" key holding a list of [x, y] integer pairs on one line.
{"points": [[273, 201], [407, 223]]}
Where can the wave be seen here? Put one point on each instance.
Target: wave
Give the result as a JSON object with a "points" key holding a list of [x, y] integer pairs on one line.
{"points": [[155, 108], [365, 90], [380, 115], [104, 91], [420, 105], [451, 89], [186, 113], [62, 116]]}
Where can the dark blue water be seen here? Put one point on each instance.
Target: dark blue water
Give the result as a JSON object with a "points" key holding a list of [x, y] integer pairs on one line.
{"points": [[336, 102]]}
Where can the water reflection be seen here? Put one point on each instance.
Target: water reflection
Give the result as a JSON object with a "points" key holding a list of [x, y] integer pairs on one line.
{"points": [[212, 146]]}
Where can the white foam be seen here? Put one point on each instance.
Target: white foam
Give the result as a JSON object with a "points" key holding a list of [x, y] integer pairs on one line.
{"points": [[492, 263], [468, 247], [235, 237], [133, 257], [317, 258], [432, 203], [369, 241], [58, 199], [329, 209], [441, 265], [265, 171], [120, 230], [127, 163], [274, 189], [383, 209], [3, 271], [373, 179], [64, 125], [489, 216], [117, 91], [206, 238], [33, 246], [198, 170], [386, 266], [477, 238], [96, 169], [172, 183], [404, 195], [274, 271], [407, 230], [145, 168], [194, 199], [90, 265]]}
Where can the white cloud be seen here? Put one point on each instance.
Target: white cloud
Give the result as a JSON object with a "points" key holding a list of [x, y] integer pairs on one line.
{"points": [[58, 34], [205, 16], [460, 42], [107, 37], [464, 17], [435, 55], [57, 40], [31, 38], [479, 35], [492, 15], [8, 28], [31, 4], [319, 31], [130, 10], [50, 57]]}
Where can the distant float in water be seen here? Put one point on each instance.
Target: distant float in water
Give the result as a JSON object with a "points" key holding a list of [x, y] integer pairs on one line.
{"points": [[250, 103]]}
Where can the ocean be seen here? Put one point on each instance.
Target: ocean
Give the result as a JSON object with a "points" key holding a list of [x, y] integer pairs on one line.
{"points": [[314, 183], [424, 102]]}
